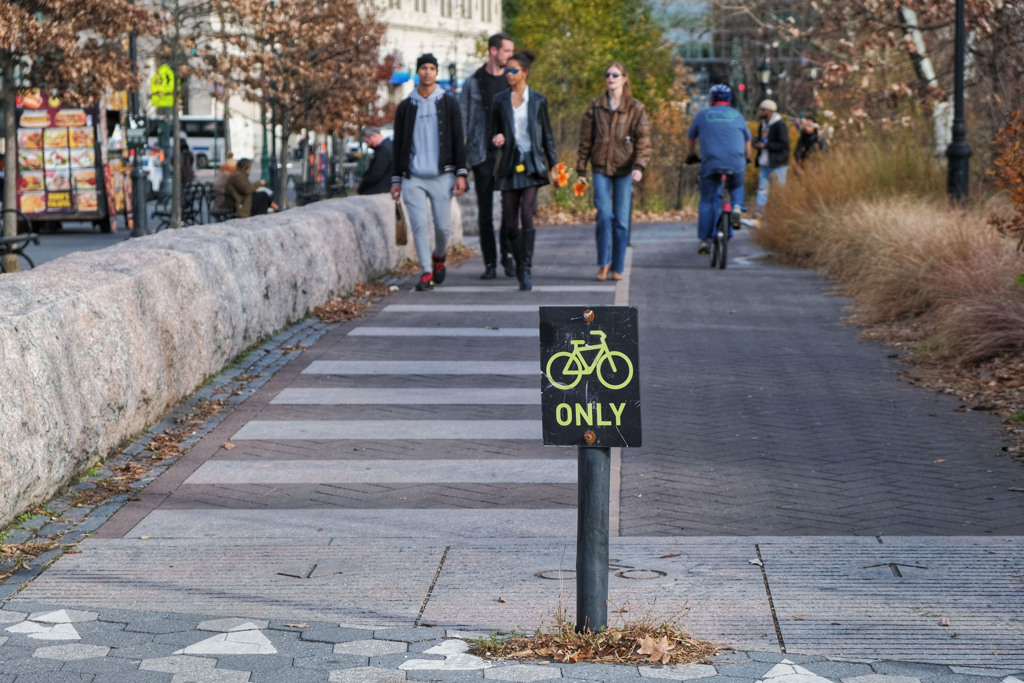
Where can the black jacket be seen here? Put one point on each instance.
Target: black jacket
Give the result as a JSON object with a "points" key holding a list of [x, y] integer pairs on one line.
{"points": [[778, 144], [377, 179], [452, 157], [542, 140]]}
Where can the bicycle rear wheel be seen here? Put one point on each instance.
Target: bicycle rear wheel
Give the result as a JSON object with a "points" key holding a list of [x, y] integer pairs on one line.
{"points": [[723, 239], [717, 242]]}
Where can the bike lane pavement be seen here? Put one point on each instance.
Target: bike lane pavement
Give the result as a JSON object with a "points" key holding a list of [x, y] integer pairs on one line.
{"points": [[390, 480]]}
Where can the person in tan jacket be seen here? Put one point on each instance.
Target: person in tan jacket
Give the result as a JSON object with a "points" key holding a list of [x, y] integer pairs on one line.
{"points": [[615, 138]]}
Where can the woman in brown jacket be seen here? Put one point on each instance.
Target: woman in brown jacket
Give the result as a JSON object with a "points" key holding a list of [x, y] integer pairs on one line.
{"points": [[616, 139]]}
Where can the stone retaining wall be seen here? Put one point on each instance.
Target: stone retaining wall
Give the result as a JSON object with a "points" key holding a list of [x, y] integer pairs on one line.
{"points": [[96, 346]]}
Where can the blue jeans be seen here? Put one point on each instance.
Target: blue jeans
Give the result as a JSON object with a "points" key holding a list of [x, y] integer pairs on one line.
{"points": [[613, 198], [708, 206], [764, 181]]}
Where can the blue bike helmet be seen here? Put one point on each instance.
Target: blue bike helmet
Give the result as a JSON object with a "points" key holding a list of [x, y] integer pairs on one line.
{"points": [[720, 93]]}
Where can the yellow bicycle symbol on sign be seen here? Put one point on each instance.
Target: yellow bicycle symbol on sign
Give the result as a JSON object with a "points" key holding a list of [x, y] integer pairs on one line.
{"points": [[610, 365]]}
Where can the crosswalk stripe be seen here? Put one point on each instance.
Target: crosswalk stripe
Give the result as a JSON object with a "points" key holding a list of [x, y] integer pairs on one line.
{"points": [[423, 367], [440, 523], [496, 309], [326, 430], [479, 289], [372, 331], [434, 471], [413, 396]]}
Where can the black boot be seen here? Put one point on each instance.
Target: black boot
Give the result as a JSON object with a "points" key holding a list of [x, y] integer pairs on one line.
{"points": [[524, 258], [489, 272]]}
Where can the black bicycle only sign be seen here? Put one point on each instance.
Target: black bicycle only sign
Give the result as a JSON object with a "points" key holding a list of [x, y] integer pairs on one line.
{"points": [[590, 383]]}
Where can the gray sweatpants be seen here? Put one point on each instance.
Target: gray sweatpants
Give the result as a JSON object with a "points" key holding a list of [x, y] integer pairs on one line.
{"points": [[416, 192]]}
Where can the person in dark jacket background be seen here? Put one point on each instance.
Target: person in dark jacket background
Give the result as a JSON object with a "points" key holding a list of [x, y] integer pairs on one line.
{"points": [[522, 130], [377, 178], [773, 151], [429, 166]]}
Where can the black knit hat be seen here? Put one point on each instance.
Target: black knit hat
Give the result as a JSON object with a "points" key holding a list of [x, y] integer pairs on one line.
{"points": [[426, 59]]}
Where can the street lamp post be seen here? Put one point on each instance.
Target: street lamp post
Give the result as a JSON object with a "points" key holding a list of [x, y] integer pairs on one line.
{"points": [[265, 153], [958, 151], [764, 77], [141, 227]]}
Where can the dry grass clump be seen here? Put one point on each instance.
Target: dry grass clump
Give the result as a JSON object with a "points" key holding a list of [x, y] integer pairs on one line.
{"points": [[876, 220], [645, 641]]}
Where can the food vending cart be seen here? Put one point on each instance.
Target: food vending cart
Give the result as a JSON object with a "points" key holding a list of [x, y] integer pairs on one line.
{"points": [[62, 162]]}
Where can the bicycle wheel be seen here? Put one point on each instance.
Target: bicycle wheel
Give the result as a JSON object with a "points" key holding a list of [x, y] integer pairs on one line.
{"points": [[716, 241], [615, 370], [569, 374], [723, 239]]}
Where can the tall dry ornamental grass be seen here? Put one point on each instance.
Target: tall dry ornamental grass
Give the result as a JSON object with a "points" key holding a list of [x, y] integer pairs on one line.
{"points": [[876, 220]]}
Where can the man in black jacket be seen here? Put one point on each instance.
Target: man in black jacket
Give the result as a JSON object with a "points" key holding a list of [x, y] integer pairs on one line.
{"points": [[429, 166], [773, 151], [377, 178], [475, 101]]}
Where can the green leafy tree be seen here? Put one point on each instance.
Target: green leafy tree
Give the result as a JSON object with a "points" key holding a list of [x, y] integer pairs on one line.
{"points": [[575, 43]]}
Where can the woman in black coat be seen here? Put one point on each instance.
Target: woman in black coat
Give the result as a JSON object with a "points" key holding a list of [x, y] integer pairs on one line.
{"points": [[523, 133]]}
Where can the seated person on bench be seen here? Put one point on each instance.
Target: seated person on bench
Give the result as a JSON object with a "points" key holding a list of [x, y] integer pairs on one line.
{"points": [[248, 198]]}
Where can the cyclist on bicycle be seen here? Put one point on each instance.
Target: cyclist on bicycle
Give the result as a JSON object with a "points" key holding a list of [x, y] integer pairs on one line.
{"points": [[724, 146]]}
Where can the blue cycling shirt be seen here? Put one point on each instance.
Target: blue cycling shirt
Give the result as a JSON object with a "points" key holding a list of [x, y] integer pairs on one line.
{"points": [[723, 135]]}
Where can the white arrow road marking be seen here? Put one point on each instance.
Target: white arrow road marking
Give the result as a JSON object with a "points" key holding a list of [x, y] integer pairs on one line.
{"points": [[244, 639], [788, 672], [455, 659]]}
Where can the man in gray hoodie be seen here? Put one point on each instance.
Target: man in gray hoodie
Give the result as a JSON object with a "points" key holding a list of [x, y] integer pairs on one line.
{"points": [[429, 166]]}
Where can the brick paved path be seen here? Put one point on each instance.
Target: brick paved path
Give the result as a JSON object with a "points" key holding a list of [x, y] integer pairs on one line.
{"points": [[768, 415]]}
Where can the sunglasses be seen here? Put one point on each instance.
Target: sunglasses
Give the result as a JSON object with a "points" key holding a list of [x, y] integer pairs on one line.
{"points": [[511, 70], [611, 75]]}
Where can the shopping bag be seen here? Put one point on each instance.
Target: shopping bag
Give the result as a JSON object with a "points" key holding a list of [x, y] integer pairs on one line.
{"points": [[401, 236]]}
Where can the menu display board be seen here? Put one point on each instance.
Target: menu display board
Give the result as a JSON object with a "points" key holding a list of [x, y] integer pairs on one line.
{"points": [[59, 172]]}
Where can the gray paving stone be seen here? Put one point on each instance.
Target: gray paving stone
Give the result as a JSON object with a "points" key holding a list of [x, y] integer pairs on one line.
{"points": [[102, 666], [71, 652], [325, 633], [524, 673], [411, 634], [19, 661], [752, 670], [909, 669], [161, 624], [840, 670], [600, 672], [255, 662], [366, 675], [957, 678], [287, 676], [63, 677], [135, 676], [455, 676], [371, 648], [678, 672], [330, 661]]}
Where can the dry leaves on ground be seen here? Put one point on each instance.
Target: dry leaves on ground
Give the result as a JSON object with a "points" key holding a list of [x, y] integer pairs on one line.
{"points": [[631, 644]]}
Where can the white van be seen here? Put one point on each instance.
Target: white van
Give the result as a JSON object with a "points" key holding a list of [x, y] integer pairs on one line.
{"points": [[200, 131]]}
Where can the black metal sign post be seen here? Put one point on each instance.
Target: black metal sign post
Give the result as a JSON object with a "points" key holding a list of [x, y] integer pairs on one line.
{"points": [[590, 398]]}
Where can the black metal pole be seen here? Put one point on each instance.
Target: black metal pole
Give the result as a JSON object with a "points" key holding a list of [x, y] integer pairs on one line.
{"points": [[594, 486], [959, 151], [138, 176]]}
